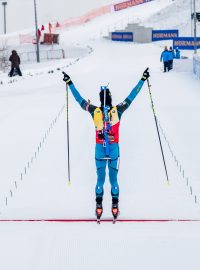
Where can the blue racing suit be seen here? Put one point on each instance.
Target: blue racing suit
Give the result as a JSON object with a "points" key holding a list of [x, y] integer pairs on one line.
{"points": [[113, 162]]}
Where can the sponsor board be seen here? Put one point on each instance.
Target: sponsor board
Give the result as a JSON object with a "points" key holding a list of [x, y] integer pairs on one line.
{"points": [[122, 36], [164, 34], [187, 43]]}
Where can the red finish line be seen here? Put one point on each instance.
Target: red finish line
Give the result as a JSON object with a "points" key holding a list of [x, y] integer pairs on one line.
{"points": [[102, 220]]}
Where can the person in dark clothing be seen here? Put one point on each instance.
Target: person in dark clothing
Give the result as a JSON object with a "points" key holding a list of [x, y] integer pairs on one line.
{"points": [[171, 57], [15, 62], [165, 58]]}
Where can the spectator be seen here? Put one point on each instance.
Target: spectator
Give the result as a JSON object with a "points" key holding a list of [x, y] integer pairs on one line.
{"points": [[171, 57], [177, 53], [15, 62], [165, 58]]}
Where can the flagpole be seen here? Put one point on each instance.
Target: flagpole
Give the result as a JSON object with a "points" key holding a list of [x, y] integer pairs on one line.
{"points": [[195, 27], [36, 30], [51, 35]]}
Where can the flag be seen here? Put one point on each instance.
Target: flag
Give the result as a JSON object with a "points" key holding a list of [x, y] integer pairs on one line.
{"points": [[39, 34], [57, 24]]}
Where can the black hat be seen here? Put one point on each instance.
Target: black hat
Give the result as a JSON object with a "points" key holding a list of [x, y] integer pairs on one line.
{"points": [[108, 98]]}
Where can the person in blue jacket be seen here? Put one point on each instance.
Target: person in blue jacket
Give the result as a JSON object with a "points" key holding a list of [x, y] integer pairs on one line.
{"points": [[114, 115], [165, 58], [177, 53], [171, 57]]}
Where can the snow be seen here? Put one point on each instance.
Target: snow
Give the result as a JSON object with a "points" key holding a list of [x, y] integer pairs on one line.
{"points": [[88, 246], [33, 157], [177, 15]]}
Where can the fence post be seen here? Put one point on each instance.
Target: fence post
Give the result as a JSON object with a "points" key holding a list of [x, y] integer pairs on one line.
{"points": [[63, 54]]}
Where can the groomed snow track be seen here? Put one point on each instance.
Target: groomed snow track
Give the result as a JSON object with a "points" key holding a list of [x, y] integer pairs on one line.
{"points": [[102, 220]]}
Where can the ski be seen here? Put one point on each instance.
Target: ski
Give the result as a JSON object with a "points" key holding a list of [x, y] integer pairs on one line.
{"points": [[114, 220], [98, 220]]}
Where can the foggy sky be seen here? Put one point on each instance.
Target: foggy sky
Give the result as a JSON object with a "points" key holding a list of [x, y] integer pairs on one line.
{"points": [[20, 13]]}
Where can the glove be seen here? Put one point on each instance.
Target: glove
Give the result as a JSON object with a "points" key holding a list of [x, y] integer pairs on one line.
{"points": [[145, 75], [66, 78]]}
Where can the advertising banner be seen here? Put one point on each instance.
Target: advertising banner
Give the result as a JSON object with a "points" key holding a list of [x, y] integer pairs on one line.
{"points": [[130, 3], [122, 36], [186, 43], [164, 34]]}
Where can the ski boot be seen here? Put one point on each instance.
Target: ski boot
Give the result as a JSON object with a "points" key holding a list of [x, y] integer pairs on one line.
{"points": [[115, 209], [99, 209]]}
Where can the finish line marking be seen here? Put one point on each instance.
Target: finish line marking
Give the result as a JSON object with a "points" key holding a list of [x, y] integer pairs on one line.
{"points": [[102, 220]]}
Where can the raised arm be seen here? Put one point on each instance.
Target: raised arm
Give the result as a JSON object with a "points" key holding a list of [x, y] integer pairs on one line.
{"points": [[127, 102], [85, 105], [73, 89]]}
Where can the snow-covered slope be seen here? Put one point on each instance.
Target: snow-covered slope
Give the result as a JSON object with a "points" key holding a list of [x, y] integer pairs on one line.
{"points": [[33, 158], [175, 16]]}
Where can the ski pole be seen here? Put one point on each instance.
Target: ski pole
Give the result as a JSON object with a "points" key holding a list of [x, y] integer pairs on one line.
{"points": [[68, 153], [155, 118]]}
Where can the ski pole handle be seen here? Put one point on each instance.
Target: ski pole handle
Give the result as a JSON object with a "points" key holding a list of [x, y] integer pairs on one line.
{"points": [[66, 78]]}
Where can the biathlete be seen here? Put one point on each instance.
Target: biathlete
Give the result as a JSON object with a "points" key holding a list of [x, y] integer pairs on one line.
{"points": [[106, 119]]}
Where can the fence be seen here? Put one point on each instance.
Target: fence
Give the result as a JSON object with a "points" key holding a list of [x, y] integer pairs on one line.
{"points": [[4, 63], [196, 66], [44, 55], [130, 3], [29, 37]]}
